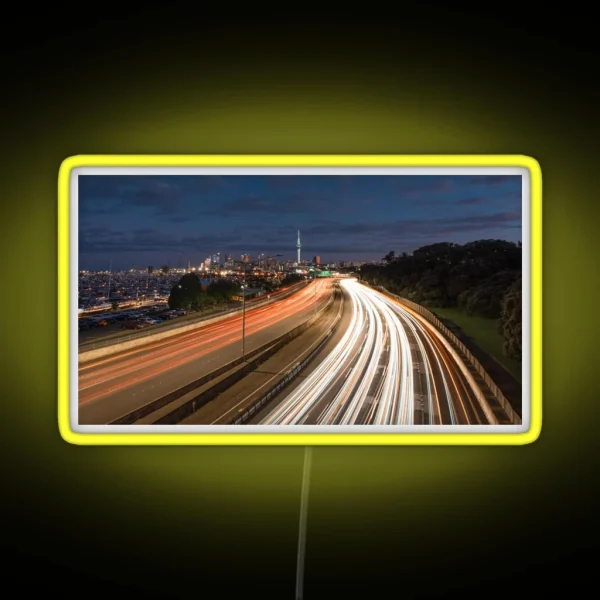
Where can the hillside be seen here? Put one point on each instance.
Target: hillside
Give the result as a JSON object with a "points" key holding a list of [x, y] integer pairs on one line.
{"points": [[478, 279]]}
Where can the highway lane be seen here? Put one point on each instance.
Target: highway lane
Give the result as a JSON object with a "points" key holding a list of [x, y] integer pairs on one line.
{"points": [[307, 372], [111, 387], [99, 334], [391, 367], [241, 395]]}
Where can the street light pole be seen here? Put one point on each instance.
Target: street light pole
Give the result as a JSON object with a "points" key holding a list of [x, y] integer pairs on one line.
{"points": [[243, 322], [109, 281], [244, 316]]}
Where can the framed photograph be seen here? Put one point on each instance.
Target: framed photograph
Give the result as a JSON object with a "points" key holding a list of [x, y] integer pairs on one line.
{"points": [[300, 300]]}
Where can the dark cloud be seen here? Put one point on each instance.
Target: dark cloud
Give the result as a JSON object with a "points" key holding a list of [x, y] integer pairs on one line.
{"points": [[95, 207], [163, 195], [98, 231], [484, 180], [177, 219], [364, 228], [215, 240], [144, 240], [409, 184], [362, 237], [321, 227], [282, 182], [472, 200], [457, 224], [151, 217], [287, 203], [512, 195]]}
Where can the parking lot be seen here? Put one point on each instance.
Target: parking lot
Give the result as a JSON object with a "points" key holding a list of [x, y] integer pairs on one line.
{"points": [[99, 326]]}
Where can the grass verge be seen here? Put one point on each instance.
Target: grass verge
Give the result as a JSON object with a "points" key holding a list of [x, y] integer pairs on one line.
{"points": [[485, 333]]}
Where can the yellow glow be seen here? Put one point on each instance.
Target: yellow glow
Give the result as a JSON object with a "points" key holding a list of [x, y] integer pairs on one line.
{"points": [[300, 439]]}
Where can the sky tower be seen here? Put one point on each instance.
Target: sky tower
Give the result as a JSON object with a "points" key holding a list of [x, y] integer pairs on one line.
{"points": [[298, 246]]}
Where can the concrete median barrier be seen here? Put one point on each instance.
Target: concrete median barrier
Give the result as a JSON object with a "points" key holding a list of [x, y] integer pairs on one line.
{"points": [[288, 377]]}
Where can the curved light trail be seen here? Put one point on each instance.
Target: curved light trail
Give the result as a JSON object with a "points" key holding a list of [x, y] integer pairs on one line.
{"points": [[107, 376], [391, 367]]}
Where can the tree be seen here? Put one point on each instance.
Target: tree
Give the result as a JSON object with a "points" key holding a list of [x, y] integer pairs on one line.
{"points": [[473, 276], [186, 293], [115, 304], [511, 324], [291, 279], [222, 290], [486, 298], [165, 269], [208, 301]]}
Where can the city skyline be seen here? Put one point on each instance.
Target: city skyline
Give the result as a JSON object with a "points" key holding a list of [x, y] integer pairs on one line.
{"points": [[157, 220]]}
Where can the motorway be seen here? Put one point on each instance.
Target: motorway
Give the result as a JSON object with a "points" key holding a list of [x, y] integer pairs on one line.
{"points": [[99, 334], [113, 386], [242, 394], [390, 367]]}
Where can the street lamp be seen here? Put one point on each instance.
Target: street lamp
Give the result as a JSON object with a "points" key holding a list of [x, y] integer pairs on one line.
{"points": [[244, 287], [243, 321]]}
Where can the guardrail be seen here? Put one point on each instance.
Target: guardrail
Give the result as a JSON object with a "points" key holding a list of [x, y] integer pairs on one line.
{"points": [[87, 312], [288, 377], [514, 418], [173, 327], [195, 403]]}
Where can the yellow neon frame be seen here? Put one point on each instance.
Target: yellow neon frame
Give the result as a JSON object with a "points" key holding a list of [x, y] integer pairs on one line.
{"points": [[300, 439]]}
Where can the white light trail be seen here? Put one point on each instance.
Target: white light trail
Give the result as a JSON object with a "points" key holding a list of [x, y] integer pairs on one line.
{"points": [[370, 376]]}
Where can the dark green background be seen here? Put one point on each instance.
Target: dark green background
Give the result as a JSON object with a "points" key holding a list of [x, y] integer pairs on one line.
{"points": [[174, 518]]}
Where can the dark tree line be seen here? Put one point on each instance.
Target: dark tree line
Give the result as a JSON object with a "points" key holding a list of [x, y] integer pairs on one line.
{"points": [[188, 294], [510, 320], [291, 279], [481, 278]]}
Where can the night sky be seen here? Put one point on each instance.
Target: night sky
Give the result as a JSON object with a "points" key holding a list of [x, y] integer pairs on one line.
{"points": [[157, 220]]}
